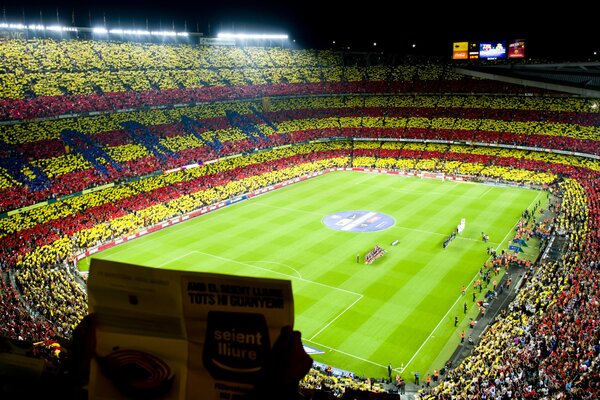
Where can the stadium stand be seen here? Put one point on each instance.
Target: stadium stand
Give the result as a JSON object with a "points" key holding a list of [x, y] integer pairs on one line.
{"points": [[100, 140]]}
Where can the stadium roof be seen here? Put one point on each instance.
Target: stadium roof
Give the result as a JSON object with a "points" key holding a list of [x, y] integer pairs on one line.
{"points": [[581, 79]]}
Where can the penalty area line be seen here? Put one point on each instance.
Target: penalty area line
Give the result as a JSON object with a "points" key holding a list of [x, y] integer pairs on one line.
{"points": [[175, 259], [249, 265], [345, 353], [336, 317]]}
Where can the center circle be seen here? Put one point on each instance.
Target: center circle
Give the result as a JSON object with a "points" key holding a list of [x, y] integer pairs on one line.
{"points": [[358, 221]]}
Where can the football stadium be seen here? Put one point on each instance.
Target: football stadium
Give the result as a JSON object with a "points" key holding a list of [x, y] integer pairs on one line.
{"points": [[438, 218]]}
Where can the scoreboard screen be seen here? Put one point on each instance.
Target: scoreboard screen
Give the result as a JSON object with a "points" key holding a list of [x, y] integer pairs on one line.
{"points": [[492, 50]]}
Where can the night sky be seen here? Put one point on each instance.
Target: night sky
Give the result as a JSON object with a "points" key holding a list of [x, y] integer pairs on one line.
{"points": [[571, 28]]}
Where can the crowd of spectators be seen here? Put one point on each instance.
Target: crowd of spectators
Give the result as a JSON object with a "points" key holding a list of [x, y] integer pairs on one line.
{"points": [[16, 321], [69, 170], [338, 385], [46, 77], [53, 296]]}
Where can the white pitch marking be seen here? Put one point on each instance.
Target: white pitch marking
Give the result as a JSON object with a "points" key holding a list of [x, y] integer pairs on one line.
{"points": [[345, 353], [278, 263], [336, 317], [486, 192], [358, 221], [176, 258]]}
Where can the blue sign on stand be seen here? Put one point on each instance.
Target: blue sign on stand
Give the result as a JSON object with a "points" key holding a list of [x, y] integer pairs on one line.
{"points": [[515, 248]]}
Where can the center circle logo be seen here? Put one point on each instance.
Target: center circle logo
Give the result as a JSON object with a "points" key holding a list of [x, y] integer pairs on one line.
{"points": [[358, 221]]}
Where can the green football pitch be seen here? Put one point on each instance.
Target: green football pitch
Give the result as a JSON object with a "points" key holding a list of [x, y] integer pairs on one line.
{"points": [[400, 309]]}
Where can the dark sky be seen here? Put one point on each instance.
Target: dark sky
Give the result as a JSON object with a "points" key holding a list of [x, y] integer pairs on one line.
{"points": [[396, 25]]}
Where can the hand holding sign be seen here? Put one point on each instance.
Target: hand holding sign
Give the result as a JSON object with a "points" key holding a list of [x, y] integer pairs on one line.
{"points": [[174, 335]]}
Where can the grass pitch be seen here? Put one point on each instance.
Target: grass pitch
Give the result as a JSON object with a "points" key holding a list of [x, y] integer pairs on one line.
{"points": [[398, 310]]}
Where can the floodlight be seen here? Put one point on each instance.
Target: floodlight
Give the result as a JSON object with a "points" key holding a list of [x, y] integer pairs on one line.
{"points": [[136, 32], [249, 36], [163, 33], [129, 32], [98, 30], [59, 28]]}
